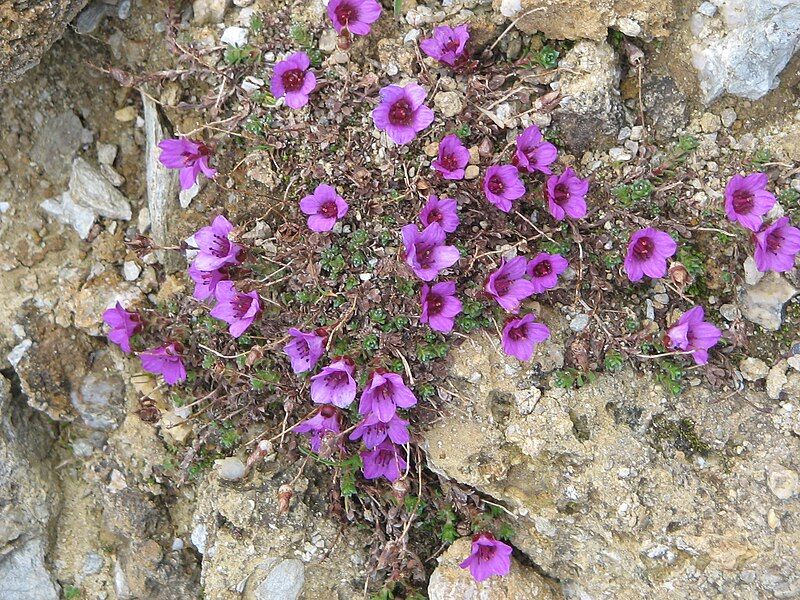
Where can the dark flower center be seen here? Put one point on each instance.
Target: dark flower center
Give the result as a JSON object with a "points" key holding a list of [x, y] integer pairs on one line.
{"points": [[327, 411], [425, 256], [518, 333], [329, 209], [486, 553], [435, 216], [337, 379], [643, 248], [451, 45], [293, 80], [384, 457], [221, 246], [345, 13], [435, 304], [501, 285], [241, 304], [743, 201], [496, 185], [401, 112], [543, 269], [449, 162], [561, 194], [774, 242]]}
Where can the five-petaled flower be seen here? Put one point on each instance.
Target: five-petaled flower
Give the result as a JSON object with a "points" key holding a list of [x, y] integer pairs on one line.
{"points": [[566, 195], [215, 245], [648, 251], [692, 333], [373, 431], [384, 460], [533, 152], [324, 208], [124, 325], [237, 309], [447, 44], [190, 156], [502, 185], [205, 282], [385, 392], [747, 200], [444, 212], [305, 349], [544, 270], [324, 424], [507, 284], [292, 79], [453, 158], [489, 557], [402, 113], [335, 384], [440, 306], [425, 251], [355, 16], [777, 245], [520, 336], [165, 360]]}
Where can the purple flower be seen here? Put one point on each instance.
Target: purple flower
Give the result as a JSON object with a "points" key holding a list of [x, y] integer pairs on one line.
{"points": [[447, 44], [489, 557], [647, 254], [385, 392], [325, 207], [325, 422], [402, 113], [776, 246], [291, 78], [374, 431], [520, 336], [384, 460], [747, 200], [426, 253], [216, 248], [205, 282], [335, 384], [124, 325], [544, 270], [502, 186], [691, 332], [165, 360], [533, 153], [566, 195], [237, 309], [507, 286], [444, 212], [354, 15], [439, 306], [453, 158], [305, 349], [190, 156]]}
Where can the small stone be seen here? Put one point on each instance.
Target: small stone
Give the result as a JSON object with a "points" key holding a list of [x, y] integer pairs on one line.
{"points": [[776, 379], [235, 36], [208, 12], [772, 519], [284, 579], [709, 123], [67, 212], [131, 270], [125, 114], [106, 153], [629, 27], [185, 197], [707, 9], [448, 103], [579, 322], [251, 84], [92, 564], [619, 154], [117, 482], [230, 469], [728, 116], [527, 399], [729, 312], [753, 369], [624, 134], [783, 482], [471, 172], [794, 362], [751, 273], [328, 41], [90, 189], [662, 299], [636, 133], [763, 302], [111, 174]]}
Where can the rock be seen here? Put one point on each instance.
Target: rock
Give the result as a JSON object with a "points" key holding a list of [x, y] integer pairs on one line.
{"points": [[665, 105], [131, 270], [328, 41], [753, 369], [229, 469], [113, 177], [99, 294], [185, 197], [709, 123], [451, 582], [728, 116], [234, 36], [776, 379], [744, 49], [579, 323], [751, 273], [95, 12], [28, 501], [100, 400], [448, 103], [729, 312], [66, 211], [125, 114], [784, 483], [579, 19], [208, 12], [763, 302], [55, 143], [284, 579], [29, 29], [591, 111], [471, 172], [89, 189]]}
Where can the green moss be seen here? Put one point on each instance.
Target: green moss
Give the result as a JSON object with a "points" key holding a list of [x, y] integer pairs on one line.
{"points": [[679, 433]]}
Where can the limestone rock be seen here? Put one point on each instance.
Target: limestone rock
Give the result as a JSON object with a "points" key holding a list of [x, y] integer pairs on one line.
{"points": [[90, 189], [763, 302], [55, 143], [591, 108], [97, 295], [27, 30], [753, 369], [588, 19], [743, 49], [208, 12], [449, 581]]}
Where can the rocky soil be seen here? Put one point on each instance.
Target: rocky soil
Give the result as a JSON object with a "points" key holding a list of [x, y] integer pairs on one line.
{"points": [[614, 480]]}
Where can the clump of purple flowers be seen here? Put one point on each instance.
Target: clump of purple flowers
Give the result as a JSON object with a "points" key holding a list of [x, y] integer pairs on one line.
{"points": [[293, 80], [216, 249], [692, 333], [489, 557], [384, 394], [426, 252], [353, 16], [335, 384], [190, 156], [777, 245], [508, 286], [237, 309], [544, 269], [648, 251], [447, 45], [747, 200], [324, 207], [165, 360], [384, 460], [401, 113], [502, 185], [305, 349], [322, 426], [520, 336], [444, 212], [566, 195], [124, 325], [453, 158], [440, 306], [533, 152]]}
